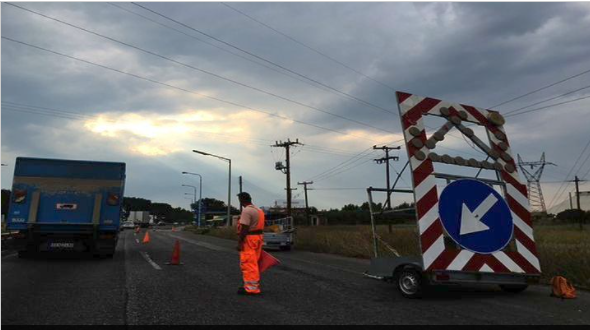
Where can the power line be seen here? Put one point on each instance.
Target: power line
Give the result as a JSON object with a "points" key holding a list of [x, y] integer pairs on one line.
{"points": [[200, 70], [559, 192], [353, 159], [182, 89], [308, 47], [547, 100], [540, 89], [346, 168], [32, 109], [218, 76], [585, 176], [266, 60], [218, 47], [338, 189], [451, 135], [548, 106]]}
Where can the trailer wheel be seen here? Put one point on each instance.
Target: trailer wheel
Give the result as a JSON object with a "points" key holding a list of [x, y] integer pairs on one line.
{"points": [[409, 283], [517, 288]]}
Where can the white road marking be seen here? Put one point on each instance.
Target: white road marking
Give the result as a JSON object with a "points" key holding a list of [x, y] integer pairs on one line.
{"points": [[9, 254], [224, 249], [203, 244], [147, 258]]}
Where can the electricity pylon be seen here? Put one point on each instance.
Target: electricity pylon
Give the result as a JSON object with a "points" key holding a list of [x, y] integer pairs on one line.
{"points": [[533, 179]]}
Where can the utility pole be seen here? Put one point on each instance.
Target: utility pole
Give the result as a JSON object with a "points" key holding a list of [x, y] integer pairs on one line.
{"points": [[577, 182], [305, 183], [386, 160], [240, 192], [286, 169], [536, 199]]}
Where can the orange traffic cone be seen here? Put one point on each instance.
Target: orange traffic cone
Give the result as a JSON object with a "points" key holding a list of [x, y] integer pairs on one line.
{"points": [[175, 255], [146, 238], [173, 229]]}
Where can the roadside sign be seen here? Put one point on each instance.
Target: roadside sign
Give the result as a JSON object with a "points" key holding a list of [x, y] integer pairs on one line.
{"points": [[493, 231], [476, 216]]}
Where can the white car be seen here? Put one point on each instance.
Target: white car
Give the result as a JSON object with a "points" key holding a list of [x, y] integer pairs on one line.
{"points": [[128, 225]]}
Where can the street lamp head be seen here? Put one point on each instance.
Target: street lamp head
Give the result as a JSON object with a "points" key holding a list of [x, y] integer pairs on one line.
{"points": [[184, 172], [201, 152]]}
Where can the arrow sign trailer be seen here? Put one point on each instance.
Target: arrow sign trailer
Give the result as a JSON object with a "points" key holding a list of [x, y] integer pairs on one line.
{"points": [[423, 158], [476, 216]]}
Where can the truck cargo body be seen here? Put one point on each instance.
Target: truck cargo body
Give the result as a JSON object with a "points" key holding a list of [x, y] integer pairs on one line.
{"points": [[278, 233], [140, 218], [66, 205]]}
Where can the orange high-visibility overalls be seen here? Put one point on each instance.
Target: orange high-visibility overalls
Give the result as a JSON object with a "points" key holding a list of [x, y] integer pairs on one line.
{"points": [[251, 253]]}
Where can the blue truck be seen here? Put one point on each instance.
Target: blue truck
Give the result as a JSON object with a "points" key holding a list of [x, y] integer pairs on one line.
{"points": [[66, 205]]}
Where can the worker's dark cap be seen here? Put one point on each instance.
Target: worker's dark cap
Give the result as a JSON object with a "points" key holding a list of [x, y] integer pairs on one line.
{"points": [[244, 196]]}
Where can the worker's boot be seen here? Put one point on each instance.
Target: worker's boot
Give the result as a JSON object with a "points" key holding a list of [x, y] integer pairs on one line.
{"points": [[243, 292]]}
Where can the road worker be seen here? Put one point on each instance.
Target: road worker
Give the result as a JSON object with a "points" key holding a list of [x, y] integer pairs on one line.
{"points": [[250, 232]]}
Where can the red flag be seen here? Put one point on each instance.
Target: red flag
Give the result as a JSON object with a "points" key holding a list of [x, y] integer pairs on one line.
{"points": [[266, 261]]}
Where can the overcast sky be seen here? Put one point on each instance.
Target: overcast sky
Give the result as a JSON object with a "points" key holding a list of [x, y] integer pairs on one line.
{"points": [[474, 53]]}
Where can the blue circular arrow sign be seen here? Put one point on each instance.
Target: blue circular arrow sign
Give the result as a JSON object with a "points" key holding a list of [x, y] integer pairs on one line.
{"points": [[476, 216]]}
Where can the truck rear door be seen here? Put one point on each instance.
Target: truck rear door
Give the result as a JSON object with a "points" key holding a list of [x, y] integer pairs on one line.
{"points": [[66, 207]]}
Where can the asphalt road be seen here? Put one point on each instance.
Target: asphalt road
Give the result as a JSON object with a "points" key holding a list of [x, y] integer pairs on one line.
{"points": [[137, 287]]}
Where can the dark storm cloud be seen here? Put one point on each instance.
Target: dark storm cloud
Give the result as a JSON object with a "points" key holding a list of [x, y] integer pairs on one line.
{"points": [[474, 53]]}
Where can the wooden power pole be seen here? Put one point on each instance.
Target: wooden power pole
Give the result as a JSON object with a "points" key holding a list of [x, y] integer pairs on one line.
{"points": [[240, 192], [305, 183], [577, 181], [386, 160], [286, 169]]}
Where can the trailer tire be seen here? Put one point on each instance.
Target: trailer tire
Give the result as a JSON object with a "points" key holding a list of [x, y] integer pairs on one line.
{"points": [[409, 283], [515, 288]]}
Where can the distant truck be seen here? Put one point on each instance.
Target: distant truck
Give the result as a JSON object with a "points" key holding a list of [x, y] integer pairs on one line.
{"points": [[278, 233], [66, 205], [140, 218]]}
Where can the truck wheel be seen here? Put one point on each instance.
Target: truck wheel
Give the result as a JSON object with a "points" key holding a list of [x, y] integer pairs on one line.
{"points": [[515, 288], [409, 283], [286, 248]]}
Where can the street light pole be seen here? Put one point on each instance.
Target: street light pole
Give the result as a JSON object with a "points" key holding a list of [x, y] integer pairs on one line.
{"points": [[195, 188], [229, 182], [229, 196], [200, 196]]}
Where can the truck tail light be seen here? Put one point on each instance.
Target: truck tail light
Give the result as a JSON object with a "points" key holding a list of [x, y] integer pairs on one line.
{"points": [[20, 196], [113, 199]]}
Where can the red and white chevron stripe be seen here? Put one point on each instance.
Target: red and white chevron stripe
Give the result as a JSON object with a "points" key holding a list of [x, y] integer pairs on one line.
{"points": [[436, 256]]}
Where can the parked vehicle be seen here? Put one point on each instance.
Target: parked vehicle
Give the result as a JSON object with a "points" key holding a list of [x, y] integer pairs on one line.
{"points": [[278, 233], [66, 205], [140, 218], [128, 225]]}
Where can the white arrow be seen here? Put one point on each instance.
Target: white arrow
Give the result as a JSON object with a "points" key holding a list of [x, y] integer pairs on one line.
{"points": [[471, 221]]}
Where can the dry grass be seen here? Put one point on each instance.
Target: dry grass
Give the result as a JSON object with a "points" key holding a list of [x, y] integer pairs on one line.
{"points": [[563, 250]]}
